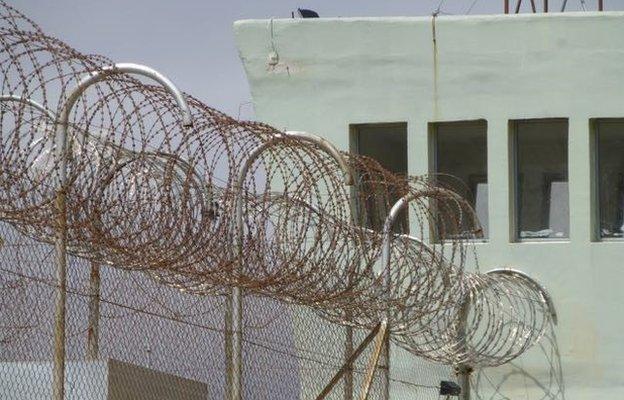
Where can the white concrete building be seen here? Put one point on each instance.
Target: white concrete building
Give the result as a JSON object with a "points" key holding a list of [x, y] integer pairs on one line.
{"points": [[104, 379], [528, 110]]}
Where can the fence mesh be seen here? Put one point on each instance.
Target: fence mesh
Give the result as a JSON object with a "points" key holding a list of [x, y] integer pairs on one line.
{"points": [[156, 342], [149, 180]]}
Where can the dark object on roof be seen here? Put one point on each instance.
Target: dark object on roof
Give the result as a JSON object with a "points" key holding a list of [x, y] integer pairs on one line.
{"points": [[307, 13], [448, 388]]}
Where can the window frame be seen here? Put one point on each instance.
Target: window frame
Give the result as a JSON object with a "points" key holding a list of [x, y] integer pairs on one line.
{"points": [[473, 179], [354, 147], [516, 181], [596, 231]]}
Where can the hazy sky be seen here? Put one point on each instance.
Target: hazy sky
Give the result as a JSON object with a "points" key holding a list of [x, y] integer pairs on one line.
{"points": [[191, 41]]}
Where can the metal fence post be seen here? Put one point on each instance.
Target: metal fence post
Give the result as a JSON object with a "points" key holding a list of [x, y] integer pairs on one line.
{"points": [[463, 370], [234, 311], [348, 350], [60, 242], [60, 252], [93, 330]]}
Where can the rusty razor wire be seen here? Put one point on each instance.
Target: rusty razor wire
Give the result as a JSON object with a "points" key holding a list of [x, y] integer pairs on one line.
{"points": [[112, 164]]}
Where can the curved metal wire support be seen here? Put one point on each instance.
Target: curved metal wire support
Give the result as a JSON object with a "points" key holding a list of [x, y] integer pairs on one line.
{"points": [[519, 274], [60, 242], [29, 102], [328, 147], [234, 312], [135, 189], [126, 68]]}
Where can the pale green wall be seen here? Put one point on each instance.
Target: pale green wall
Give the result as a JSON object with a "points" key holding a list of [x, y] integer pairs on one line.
{"points": [[336, 72]]}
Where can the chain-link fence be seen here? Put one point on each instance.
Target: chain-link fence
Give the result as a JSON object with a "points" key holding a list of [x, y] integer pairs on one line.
{"points": [[150, 341], [135, 208]]}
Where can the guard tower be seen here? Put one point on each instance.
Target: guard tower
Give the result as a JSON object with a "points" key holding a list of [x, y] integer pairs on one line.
{"points": [[525, 109]]}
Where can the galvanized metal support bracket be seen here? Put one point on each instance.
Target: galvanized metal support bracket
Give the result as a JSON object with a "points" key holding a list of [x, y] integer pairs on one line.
{"points": [[378, 335]]}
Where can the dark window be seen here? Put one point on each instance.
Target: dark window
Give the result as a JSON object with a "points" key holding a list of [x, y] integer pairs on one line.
{"points": [[610, 177], [460, 162], [541, 179], [387, 144]]}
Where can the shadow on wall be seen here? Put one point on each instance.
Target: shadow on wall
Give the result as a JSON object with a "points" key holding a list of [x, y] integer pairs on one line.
{"points": [[536, 375]]}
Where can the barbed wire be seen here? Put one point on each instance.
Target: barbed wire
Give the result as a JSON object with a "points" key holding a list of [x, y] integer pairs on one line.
{"points": [[221, 204]]}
